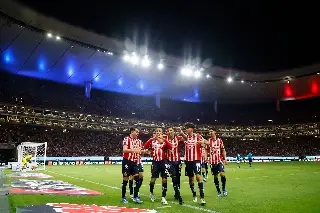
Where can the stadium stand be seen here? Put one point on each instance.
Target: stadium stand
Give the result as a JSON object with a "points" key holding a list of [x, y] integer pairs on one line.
{"points": [[63, 120]]}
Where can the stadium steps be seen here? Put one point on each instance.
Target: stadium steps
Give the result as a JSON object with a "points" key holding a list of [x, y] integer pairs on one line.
{"points": [[4, 201]]}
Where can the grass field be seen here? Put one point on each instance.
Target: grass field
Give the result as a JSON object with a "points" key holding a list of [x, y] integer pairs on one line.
{"points": [[267, 187]]}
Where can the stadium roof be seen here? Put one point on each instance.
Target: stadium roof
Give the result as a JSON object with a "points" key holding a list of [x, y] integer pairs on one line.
{"points": [[74, 56]]}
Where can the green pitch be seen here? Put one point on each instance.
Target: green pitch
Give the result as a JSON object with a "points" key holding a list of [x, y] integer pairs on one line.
{"points": [[266, 187]]}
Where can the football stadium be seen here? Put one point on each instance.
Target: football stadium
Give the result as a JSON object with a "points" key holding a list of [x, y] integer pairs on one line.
{"points": [[97, 124]]}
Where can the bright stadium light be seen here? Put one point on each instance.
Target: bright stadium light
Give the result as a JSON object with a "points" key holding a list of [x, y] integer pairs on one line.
{"points": [[58, 37], [160, 66], [242, 81], [145, 61], [126, 57], [197, 74], [208, 76], [229, 79], [134, 59], [49, 35], [186, 71]]}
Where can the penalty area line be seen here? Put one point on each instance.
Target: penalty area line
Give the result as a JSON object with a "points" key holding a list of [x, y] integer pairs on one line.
{"points": [[118, 188]]}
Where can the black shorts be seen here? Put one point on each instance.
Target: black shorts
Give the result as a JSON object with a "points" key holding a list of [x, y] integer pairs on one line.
{"points": [[140, 167], [250, 160], [160, 168], [129, 168], [217, 168], [193, 168], [175, 168], [204, 165]]}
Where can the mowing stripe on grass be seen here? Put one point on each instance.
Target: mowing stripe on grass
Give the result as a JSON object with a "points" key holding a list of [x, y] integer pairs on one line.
{"points": [[118, 188]]}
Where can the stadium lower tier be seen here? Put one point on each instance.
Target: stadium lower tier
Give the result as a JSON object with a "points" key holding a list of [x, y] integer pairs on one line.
{"points": [[62, 142]]}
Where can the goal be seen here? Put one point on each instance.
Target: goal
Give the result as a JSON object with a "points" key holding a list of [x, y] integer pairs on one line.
{"points": [[38, 152]]}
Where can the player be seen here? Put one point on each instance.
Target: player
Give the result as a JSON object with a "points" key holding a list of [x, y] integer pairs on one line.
{"points": [[160, 165], [218, 158], [204, 163], [140, 170], [131, 151], [238, 157], [174, 159], [25, 161], [250, 159], [193, 143]]}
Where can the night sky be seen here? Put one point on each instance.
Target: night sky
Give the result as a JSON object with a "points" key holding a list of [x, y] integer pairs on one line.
{"points": [[253, 37]]}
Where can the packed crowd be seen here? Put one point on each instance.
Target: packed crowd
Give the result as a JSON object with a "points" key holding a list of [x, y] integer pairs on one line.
{"points": [[71, 142], [54, 118]]}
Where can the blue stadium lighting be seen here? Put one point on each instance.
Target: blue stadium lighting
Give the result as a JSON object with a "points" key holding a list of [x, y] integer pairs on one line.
{"points": [[141, 86], [120, 82], [41, 64], [70, 71], [96, 75], [96, 78], [8, 57]]}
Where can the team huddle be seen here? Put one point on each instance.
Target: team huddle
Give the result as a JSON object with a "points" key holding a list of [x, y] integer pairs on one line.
{"points": [[166, 162]]}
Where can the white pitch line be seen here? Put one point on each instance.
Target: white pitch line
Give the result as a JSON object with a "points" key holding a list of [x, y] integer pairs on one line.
{"points": [[113, 187]]}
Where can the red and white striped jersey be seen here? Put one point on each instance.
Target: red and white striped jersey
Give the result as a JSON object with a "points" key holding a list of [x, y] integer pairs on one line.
{"points": [[131, 144], [139, 161], [204, 154], [216, 149], [174, 153], [192, 150], [158, 149]]}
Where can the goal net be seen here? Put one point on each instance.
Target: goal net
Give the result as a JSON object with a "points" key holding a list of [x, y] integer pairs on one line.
{"points": [[32, 155]]}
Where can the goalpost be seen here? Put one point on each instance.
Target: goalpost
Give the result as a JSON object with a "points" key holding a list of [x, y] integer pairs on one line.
{"points": [[38, 152]]}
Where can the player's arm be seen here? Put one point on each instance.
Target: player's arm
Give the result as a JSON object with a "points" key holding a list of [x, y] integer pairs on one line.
{"points": [[224, 153], [143, 151], [126, 149], [181, 133], [147, 144], [203, 142]]}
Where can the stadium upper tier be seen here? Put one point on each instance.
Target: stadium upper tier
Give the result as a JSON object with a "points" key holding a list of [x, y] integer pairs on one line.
{"points": [[44, 48], [71, 120], [45, 94]]}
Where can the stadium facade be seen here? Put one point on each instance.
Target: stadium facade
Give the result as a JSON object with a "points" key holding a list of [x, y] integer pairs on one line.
{"points": [[76, 56]]}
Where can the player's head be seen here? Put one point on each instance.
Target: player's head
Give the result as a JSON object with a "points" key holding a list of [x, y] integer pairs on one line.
{"points": [[170, 131], [158, 131], [189, 127], [134, 132], [212, 134]]}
